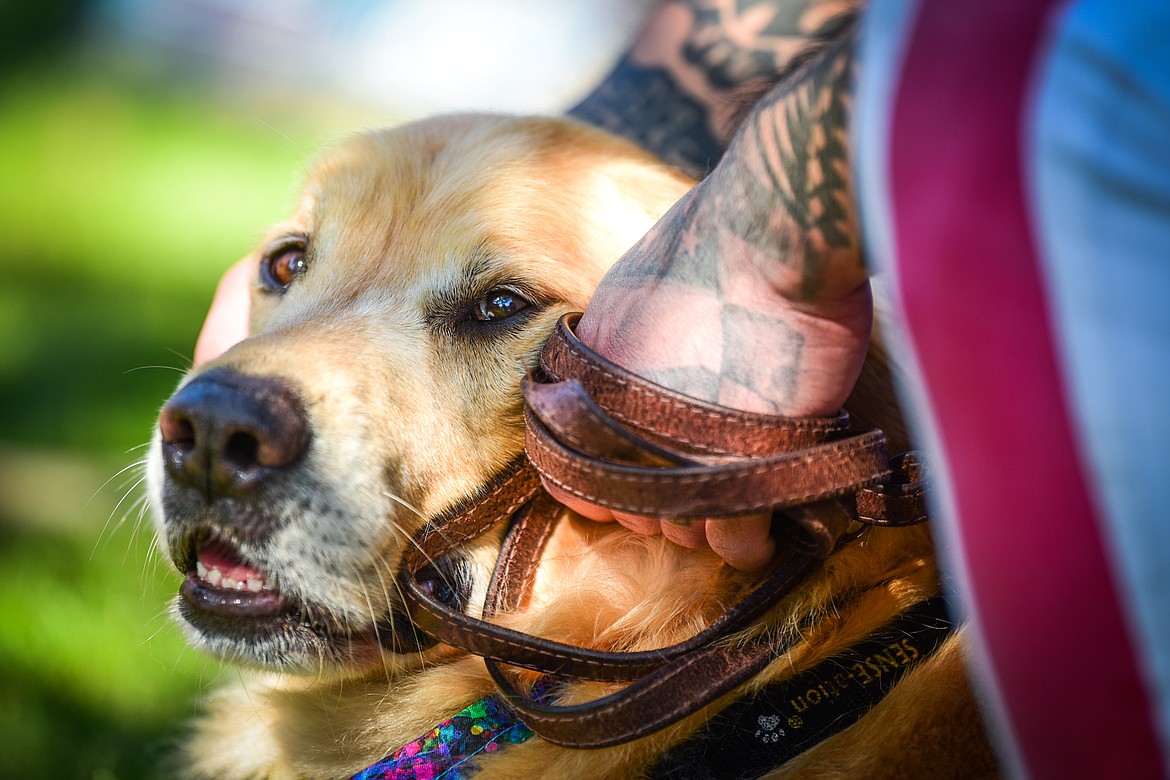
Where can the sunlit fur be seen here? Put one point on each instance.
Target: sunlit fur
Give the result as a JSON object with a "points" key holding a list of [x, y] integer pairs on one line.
{"points": [[411, 409]]}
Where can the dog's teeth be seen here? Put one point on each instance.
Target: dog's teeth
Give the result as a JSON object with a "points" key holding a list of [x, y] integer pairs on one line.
{"points": [[217, 579]]}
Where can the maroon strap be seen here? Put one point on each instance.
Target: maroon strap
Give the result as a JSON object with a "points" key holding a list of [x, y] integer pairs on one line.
{"points": [[614, 439], [509, 585], [691, 675], [901, 499], [657, 700], [664, 414], [737, 487]]}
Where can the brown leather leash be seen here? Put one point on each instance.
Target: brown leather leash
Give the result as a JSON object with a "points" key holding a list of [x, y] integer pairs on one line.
{"points": [[600, 432]]}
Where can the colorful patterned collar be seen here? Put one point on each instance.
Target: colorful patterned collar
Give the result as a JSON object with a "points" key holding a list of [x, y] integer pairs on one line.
{"points": [[449, 750]]}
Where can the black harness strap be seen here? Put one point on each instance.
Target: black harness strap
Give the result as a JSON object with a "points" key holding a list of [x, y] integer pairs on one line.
{"points": [[759, 733]]}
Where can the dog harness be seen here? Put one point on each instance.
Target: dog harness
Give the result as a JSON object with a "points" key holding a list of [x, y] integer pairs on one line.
{"points": [[749, 737]]}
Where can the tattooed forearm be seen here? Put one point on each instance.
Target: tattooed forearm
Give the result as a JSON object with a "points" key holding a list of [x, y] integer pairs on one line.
{"points": [[699, 64], [751, 292], [788, 174], [734, 42]]}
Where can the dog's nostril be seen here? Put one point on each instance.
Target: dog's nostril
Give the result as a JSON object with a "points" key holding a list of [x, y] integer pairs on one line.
{"points": [[176, 429], [242, 449]]}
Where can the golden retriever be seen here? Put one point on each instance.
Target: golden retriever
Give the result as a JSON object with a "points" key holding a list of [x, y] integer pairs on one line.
{"points": [[394, 315]]}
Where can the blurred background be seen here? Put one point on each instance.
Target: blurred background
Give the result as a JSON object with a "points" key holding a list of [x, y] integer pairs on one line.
{"points": [[144, 145]]}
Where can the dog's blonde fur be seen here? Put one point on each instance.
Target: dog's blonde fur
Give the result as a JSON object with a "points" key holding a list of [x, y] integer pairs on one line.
{"points": [[412, 409]]}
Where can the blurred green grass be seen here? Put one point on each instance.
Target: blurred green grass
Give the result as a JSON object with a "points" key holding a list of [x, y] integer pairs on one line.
{"points": [[121, 204]]}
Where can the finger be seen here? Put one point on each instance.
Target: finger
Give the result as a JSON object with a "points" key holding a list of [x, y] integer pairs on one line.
{"points": [[690, 533], [639, 523], [743, 542], [579, 505], [227, 319]]}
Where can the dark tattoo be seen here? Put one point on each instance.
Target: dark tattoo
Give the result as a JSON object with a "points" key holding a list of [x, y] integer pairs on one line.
{"points": [[646, 106], [690, 245], [738, 49], [741, 372], [728, 63], [793, 159], [695, 381], [742, 331]]}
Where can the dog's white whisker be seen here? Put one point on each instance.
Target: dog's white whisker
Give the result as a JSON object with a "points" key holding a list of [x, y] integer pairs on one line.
{"points": [[300, 150], [386, 599], [164, 621], [102, 535], [143, 508], [152, 368], [136, 464], [188, 360], [138, 502], [410, 538], [137, 508], [154, 558], [373, 613], [402, 502]]}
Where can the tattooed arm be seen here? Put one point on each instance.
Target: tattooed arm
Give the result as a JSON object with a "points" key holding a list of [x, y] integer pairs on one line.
{"points": [[751, 292], [681, 90]]}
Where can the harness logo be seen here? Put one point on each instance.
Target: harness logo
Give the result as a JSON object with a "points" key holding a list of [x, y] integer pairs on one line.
{"points": [[769, 730], [865, 672]]}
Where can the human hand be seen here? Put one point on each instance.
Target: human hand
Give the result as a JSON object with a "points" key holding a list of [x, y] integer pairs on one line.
{"points": [[751, 292], [227, 319]]}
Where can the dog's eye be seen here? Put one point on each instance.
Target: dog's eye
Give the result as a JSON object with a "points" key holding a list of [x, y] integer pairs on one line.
{"points": [[282, 267], [499, 304]]}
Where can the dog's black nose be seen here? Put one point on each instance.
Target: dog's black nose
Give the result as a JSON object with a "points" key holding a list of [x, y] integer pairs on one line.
{"points": [[224, 433]]}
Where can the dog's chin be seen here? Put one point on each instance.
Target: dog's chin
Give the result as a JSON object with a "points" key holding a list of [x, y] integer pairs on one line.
{"points": [[296, 639], [232, 609]]}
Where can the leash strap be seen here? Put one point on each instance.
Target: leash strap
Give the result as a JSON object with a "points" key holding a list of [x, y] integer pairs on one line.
{"points": [[517, 562], [759, 733], [608, 436], [599, 432]]}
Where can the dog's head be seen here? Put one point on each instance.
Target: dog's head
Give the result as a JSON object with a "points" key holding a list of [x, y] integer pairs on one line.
{"points": [[393, 316]]}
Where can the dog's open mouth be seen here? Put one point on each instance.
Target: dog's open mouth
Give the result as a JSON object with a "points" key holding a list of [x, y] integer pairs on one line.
{"points": [[239, 611], [222, 582]]}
